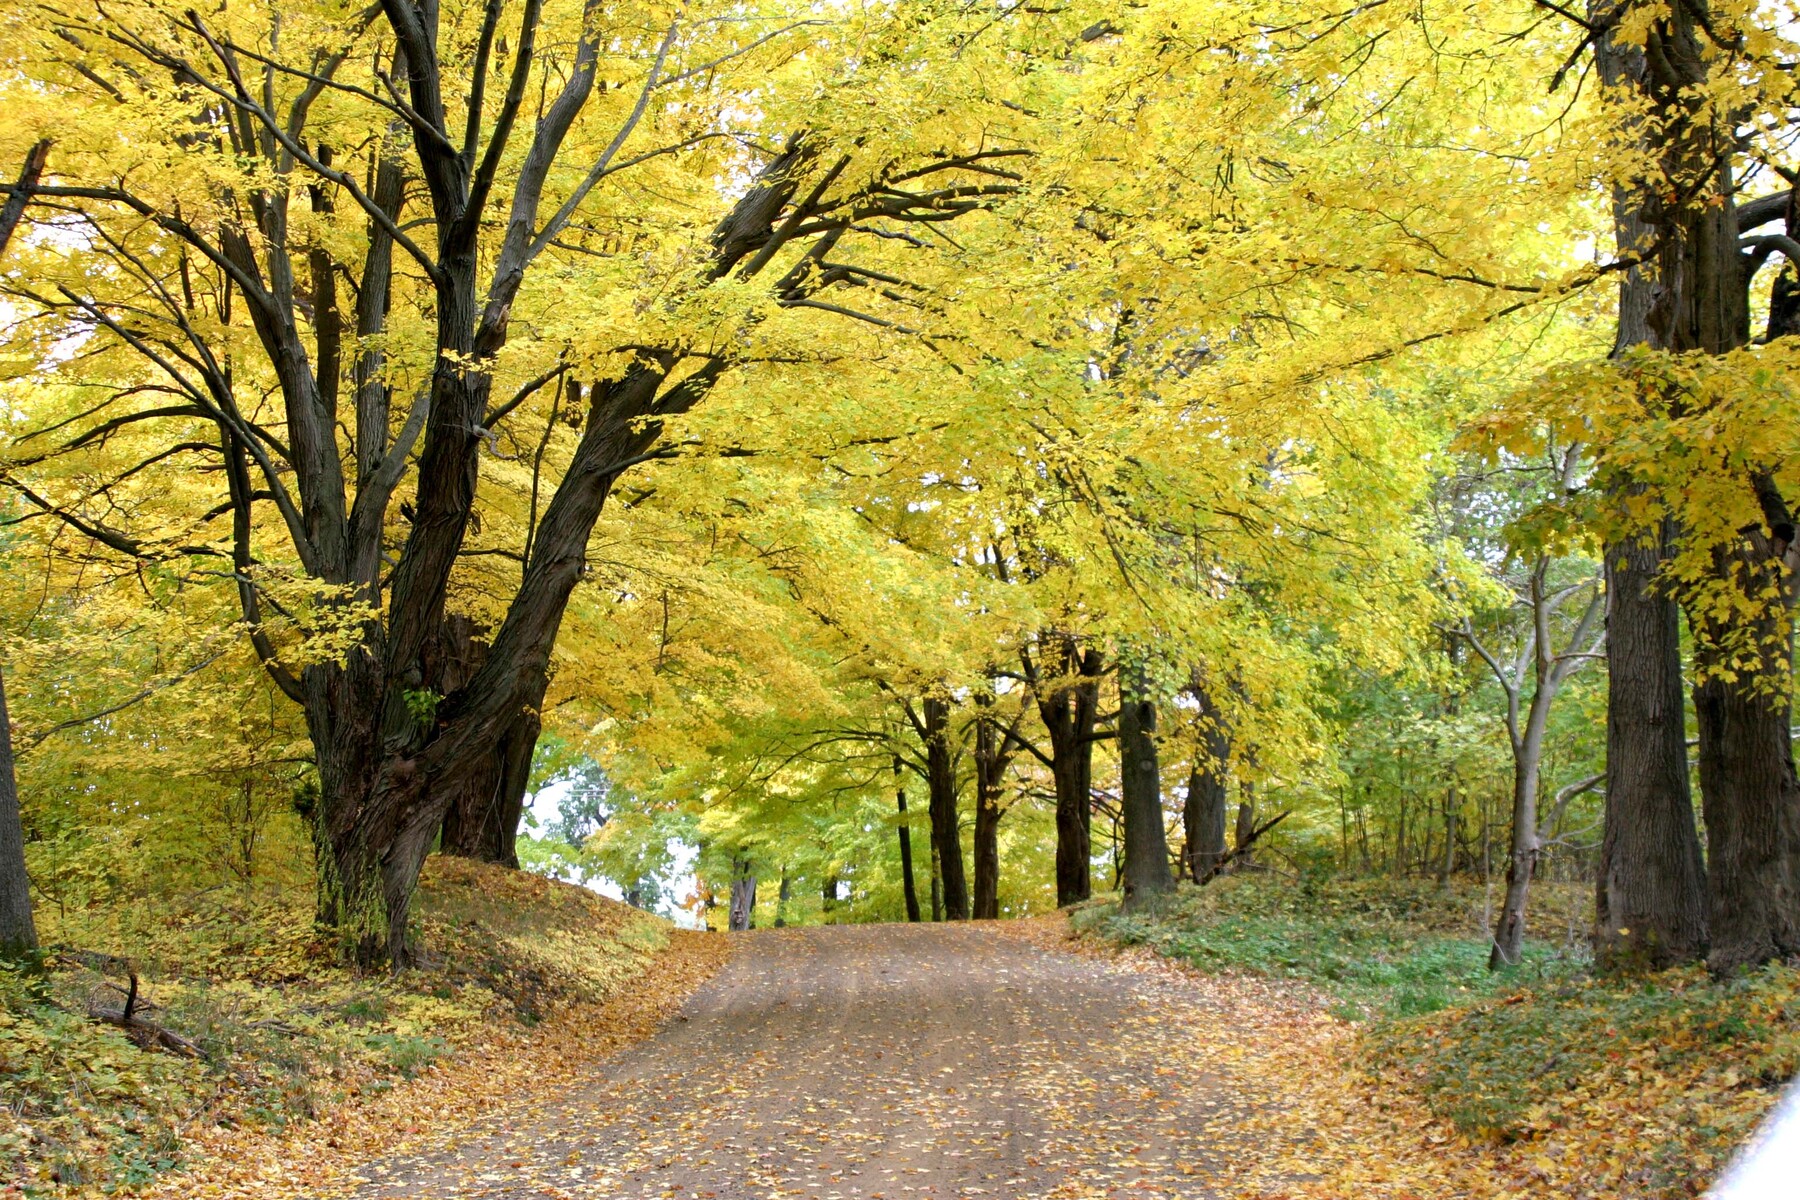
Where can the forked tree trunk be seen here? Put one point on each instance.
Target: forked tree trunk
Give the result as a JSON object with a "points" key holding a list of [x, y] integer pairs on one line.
{"points": [[484, 803], [1203, 812], [907, 887], [1068, 706], [1145, 873], [1527, 725]]}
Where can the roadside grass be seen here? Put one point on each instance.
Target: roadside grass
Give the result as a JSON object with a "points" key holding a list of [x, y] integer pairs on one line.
{"points": [[285, 1029], [1571, 1083], [1378, 947]]}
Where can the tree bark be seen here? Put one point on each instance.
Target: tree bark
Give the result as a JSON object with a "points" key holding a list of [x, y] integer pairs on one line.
{"points": [[907, 887], [989, 765], [1068, 706], [18, 932], [1146, 868], [1747, 783], [1650, 906], [937, 896], [1203, 812], [486, 800], [1651, 901], [940, 779], [1246, 822], [742, 915], [1750, 797]]}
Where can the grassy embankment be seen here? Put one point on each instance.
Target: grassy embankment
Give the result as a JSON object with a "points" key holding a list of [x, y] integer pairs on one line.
{"points": [[286, 1032], [1573, 1083]]}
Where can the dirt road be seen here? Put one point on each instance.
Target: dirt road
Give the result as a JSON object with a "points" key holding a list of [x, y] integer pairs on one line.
{"points": [[893, 1061]]}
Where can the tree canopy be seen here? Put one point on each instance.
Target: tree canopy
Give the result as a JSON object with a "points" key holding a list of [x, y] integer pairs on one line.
{"points": [[923, 459]]}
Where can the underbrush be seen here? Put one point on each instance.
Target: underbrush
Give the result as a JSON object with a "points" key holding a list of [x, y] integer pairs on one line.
{"points": [[1576, 1084], [1379, 947], [1653, 1079], [283, 1028]]}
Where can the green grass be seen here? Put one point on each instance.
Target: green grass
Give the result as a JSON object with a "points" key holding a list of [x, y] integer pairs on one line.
{"points": [[1649, 1080], [1500, 1068], [1380, 948]]}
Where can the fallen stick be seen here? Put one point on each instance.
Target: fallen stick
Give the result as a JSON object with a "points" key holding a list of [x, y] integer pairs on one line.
{"points": [[146, 1034], [1213, 871]]}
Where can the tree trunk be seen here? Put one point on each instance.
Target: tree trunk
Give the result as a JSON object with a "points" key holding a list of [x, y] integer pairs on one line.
{"points": [[1750, 797], [946, 838], [1650, 906], [481, 818], [1651, 903], [1203, 812], [1068, 707], [1146, 866], [937, 896], [743, 896], [1509, 937], [393, 751], [782, 895], [1246, 823], [990, 765], [1747, 780], [907, 887], [18, 933]]}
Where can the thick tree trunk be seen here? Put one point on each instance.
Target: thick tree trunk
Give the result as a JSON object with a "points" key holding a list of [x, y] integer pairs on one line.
{"points": [[1203, 811], [742, 915], [946, 838], [1702, 304], [782, 894], [1650, 906], [1068, 706], [1145, 873], [392, 752], [484, 803], [1651, 902], [1750, 797], [481, 818], [18, 933], [907, 887]]}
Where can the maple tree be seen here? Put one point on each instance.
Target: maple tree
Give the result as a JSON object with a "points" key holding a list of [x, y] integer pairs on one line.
{"points": [[920, 462], [701, 408]]}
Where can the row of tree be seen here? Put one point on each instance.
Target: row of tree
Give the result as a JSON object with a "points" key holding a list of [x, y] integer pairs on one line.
{"points": [[763, 402]]}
